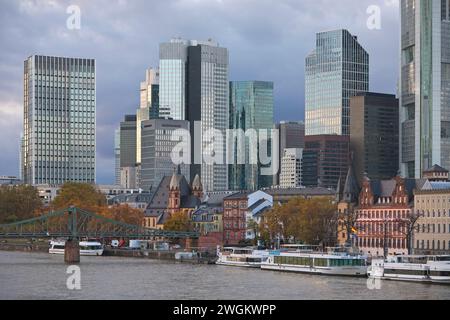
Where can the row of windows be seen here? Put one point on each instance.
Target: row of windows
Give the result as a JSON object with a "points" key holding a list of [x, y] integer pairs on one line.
{"points": [[234, 235], [318, 262], [379, 243], [433, 245], [433, 228]]}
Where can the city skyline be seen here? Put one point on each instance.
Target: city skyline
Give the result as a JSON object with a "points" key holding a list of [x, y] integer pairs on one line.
{"points": [[250, 55]]}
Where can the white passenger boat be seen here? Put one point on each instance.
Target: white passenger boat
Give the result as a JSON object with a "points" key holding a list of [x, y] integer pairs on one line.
{"points": [[333, 262], [87, 248], [432, 269], [241, 257]]}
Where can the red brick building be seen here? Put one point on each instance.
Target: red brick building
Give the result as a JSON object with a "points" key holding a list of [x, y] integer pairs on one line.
{"points": [[382, 215], [234, 218]]}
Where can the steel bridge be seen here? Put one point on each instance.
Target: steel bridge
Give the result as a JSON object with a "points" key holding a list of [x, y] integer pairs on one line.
{"points": [[76, 223]]}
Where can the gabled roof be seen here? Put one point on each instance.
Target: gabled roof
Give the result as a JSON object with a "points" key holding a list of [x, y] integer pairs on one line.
{"points": [[315, 191], [131, 198], [160, 199], [257, 204], [215, 198], [436, 168], [351, 185], [197, 184], [385, 188], [238, 195], [432, 185]]}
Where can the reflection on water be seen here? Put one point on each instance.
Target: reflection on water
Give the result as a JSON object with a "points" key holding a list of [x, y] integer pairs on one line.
{"points": [[43, 276]]}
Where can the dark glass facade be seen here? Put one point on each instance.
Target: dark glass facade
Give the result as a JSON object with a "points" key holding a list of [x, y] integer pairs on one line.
{"points": [[251, 107], [374, 135], [325, 160]]}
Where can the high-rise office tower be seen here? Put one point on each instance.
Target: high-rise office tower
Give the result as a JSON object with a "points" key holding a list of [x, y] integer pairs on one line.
{"points": [[117, 156], [325, 160], [374, 135], [21, 151], [127, 153], [337, 69], [424, 85], [251, 107], [149, 106], [157, 146], [128, 141], [194, 86], [292, 136], [173, 58], [59, 120]]}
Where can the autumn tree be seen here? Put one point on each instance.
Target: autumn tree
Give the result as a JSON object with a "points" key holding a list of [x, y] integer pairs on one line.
{"points": [[81, 195], [178, 221], [309, 221], [125, 214]]}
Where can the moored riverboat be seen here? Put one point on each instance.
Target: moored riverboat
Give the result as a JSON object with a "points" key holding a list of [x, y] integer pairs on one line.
{"points": [[333, 262], [87, 248], [241, 257], [429, 269]]}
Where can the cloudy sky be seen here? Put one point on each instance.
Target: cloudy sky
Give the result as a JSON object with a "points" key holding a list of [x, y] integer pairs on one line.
{"points": [[267, 40]]}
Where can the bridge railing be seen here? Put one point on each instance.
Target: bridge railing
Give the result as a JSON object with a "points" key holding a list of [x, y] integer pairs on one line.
{"points": [[79, 223]]}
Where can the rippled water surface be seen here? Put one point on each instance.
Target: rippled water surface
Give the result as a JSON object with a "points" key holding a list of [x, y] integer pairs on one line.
{"points": [[43, 276]]}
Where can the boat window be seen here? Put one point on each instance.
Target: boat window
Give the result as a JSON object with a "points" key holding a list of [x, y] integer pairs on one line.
{"points": [[440, 273], [406, 272], [320, 262], [58, 247], [443, 258]]}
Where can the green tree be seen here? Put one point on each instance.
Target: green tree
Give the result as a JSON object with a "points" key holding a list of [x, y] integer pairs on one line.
{"points": [[18, 203]]}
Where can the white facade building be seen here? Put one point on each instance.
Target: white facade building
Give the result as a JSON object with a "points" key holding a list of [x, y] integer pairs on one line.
{"points": [[291, 168]]}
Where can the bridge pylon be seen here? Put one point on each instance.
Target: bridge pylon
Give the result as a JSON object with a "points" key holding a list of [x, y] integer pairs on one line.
{"points": [[72, 251]]}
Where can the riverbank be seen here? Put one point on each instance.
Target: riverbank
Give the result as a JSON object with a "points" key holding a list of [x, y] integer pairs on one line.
{"points": [[42, 247], [159, 255], [24, 246]]}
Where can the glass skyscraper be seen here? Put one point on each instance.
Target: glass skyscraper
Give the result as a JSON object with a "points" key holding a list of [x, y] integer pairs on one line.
{"points": [[424, 86], [194, 87], [172, 65], [117, 156], [251, 107], [208, 102], [157, 146], [337, 69], [149, 106], [59, 120]]}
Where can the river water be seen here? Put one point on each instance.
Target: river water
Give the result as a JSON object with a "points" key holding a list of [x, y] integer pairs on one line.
{"points": [[43, 276]]}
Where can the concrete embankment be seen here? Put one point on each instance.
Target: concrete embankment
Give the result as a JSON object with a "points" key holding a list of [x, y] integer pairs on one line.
{"points": [[25, 246], [159, 255], [22, 246]]}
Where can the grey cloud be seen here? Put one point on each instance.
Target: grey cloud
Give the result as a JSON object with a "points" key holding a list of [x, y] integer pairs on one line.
{"points": [[268, 40]]}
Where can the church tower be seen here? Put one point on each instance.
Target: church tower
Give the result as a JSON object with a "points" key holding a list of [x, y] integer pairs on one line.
{"points": [[197, 187], [174, 191]]}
